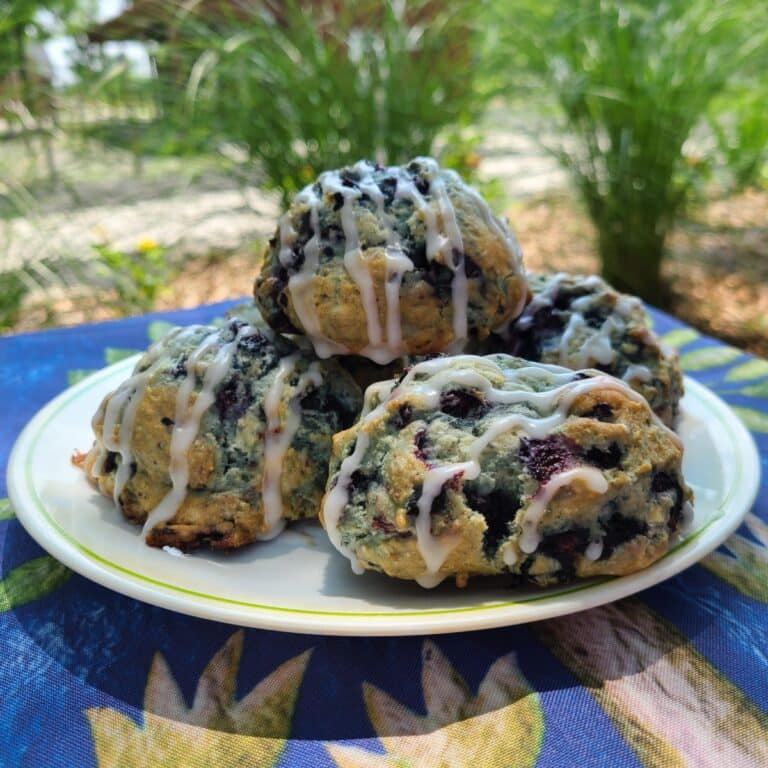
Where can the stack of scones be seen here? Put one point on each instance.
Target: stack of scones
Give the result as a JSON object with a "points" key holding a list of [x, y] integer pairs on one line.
{"points": [[511, 424]]}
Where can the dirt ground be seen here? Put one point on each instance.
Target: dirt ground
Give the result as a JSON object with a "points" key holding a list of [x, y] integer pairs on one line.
{"points": [[717, 268]]}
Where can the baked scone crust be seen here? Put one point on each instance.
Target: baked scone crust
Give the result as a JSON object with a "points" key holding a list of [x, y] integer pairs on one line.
{"points": [[384, 262], [588, 453], [580, 322], [272, 407]]}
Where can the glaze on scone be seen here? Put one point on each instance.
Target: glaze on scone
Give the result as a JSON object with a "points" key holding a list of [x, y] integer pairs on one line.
{"points": [[581, 322], [383, 262], [486, 465], [219, 436]]}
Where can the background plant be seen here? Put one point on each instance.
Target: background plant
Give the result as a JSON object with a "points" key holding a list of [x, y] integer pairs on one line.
{"points": [[631, 81], [303, 87], [137, 278], [739, 119]]}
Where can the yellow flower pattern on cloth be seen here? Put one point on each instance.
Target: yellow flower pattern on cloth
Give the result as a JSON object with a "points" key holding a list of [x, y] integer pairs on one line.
{"points": [[216, 730], [502, 725]]}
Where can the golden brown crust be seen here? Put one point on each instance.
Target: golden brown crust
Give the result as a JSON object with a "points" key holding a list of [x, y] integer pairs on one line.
{"points": [[223, 505], [495, 282], [635, 516]]}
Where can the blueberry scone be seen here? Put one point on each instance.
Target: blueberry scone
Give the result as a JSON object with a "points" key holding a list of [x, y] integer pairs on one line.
{"points": [[475, 465], [581, 322], [383, 262], [219, 436]]}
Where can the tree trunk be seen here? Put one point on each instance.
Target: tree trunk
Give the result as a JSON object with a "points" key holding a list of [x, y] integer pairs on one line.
{"points": [[631, 262]]}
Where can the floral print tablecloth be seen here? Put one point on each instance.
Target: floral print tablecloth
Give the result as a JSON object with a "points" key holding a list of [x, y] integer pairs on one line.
{"points": [[676, 676]]}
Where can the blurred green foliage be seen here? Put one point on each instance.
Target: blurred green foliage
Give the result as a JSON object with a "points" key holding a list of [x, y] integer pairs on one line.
{"points": [[310, 86], [12, 292], [646, 102], [137, 278], [632, 82], [739, 118], [23, 89]]}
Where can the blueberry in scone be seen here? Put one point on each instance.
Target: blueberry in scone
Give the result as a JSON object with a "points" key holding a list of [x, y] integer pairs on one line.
{"points": [[219, 436], [581, 322], [387, 261], [473, 465]]}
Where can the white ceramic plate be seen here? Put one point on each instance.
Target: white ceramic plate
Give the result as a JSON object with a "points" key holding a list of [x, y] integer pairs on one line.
{"points": [[298, 583]]}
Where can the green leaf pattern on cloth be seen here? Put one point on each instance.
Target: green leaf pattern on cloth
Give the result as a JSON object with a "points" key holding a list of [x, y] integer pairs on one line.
{"points": [[755, 420], [756, 390], [679, 337], [752, 369], [672, 706], [31, 581], [503, 725], [6, 510], [76, 375], [217, 730], [114, 355], [708, 357], [158, 329]]}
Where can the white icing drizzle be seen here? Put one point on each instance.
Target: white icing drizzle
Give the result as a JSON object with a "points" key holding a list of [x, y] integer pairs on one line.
{"points": [[627, 305], [443, 244], [596, 345], [278, 437], [594, 550], [435, 549], [301, 283], [354, 258], [369, 187], [287, 236], [397, 265], [509, 556], [447, 371], [530, 537], [188, 415], [687, 519], [123, 405], [514, 251], [337, 498], [173, 551], [639, 373], [438, 369], [454, 258], [375, 394], [540, 300]]}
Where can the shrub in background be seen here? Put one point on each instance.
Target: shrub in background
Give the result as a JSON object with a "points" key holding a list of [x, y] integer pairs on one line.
{"points": [[631, 80], [137, 278], [307, 86], [739, 119], [12, 292]]}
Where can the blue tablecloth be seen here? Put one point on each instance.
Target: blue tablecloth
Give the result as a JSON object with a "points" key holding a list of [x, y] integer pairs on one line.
{"points": [[676, 676]]}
